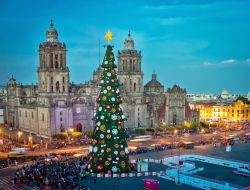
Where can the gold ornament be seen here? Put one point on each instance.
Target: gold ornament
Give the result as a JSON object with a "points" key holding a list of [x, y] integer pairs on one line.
{"points": [[108, 149], [116, 145], [123, 164], [102, 141], [113, 110], [108, 136], [103, 127], [108, 36], [122, 153], [104, 98], [118, 117], [107, 163], [119, 126]]}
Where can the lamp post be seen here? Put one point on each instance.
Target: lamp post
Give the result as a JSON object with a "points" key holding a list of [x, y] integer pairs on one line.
{"points": [[70, 130], [30, 139], [19, 134], [178, 166], [201, 132]]}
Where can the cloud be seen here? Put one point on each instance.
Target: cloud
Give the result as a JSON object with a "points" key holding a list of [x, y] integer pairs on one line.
{"points": [[226, 63], [229, 61], [206, 63], [247, 61]]}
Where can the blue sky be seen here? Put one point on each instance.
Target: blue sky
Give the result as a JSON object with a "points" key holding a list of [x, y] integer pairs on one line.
{"points": [[201, 45]]}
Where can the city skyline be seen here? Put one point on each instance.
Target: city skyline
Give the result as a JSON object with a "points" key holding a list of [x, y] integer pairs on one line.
{"points": [[200, 45]]}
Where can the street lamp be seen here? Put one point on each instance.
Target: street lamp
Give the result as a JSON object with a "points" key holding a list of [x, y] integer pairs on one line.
{"points": [[70, 130], [19, 134], [178, 170], [1, 130], [30, 139], [202, 131]]}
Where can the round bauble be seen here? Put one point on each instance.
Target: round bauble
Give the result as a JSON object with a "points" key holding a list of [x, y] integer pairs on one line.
{"points": [[95, 149], [126, 150], [101, 136], [100, 168], [113, 117], [122, 153]]}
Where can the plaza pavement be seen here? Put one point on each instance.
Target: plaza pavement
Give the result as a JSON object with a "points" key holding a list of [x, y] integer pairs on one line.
{"points": [[239, 152]]}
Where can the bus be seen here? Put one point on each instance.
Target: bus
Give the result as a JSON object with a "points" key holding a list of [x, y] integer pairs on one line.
{"points": [[18, 151]]}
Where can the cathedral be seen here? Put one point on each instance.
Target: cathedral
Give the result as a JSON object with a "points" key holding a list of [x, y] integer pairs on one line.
{"points": [[56, 104]]}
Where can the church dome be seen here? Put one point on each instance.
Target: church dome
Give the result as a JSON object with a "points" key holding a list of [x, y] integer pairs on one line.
{"points": [[224, 94], [51, 34], [12, 81], [154, 85]]}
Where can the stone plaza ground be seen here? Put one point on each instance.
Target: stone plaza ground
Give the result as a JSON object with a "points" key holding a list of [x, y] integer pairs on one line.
{"points": [[239, 152]]}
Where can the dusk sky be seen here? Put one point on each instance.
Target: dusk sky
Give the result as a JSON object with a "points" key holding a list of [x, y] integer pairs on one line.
{"points": [[201, 45]]}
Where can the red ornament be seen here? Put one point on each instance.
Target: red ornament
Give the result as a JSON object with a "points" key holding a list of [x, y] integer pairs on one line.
{"points": [[100, 168], [100, 158], [112, 80], [119, 122], [108, 106]]}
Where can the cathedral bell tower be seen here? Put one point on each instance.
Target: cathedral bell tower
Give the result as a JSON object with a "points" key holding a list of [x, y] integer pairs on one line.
{"points": [[53, 74], [129, 68]]}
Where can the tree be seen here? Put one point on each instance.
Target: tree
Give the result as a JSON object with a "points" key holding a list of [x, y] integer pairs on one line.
{"points": [[108, 152]]}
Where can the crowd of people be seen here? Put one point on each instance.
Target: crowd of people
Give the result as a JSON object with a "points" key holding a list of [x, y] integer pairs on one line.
{"points": [[58, 173]]}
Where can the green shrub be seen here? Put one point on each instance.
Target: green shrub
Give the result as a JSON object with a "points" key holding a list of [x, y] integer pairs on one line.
{"points": [[77, 135], [153, 130], [61, 135], [140, 131], [160, 129]]}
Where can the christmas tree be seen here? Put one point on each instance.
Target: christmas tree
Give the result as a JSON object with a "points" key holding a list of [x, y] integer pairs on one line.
{"points": [[108, 152]]}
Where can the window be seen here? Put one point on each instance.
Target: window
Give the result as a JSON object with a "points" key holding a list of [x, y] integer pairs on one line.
{"points": [[63, 79], [51, 80], [61, 112], [51, 60], [61, 60], [32, 115], [61, 119], [20, 113], [42, 116], [134, 87], [63, 88], [57, 86], [51, 89], [26, 114]]}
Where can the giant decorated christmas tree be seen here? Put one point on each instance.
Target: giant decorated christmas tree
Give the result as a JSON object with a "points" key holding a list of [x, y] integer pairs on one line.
{"points": [[108, 152]]}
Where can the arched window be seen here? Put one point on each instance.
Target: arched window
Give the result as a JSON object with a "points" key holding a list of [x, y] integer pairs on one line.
{"points": [[134, 87], [57, 86], [51, 60]]}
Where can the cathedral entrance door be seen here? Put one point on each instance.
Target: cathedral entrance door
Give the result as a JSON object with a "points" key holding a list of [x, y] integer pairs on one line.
{"points": [[79, 127]]}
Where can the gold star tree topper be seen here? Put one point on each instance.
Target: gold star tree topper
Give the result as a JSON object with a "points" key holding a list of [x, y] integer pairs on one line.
{"points": [[108, 36]]}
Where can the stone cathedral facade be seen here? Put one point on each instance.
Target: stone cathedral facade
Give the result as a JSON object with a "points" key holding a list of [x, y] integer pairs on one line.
{"points": [[56, 104]]}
